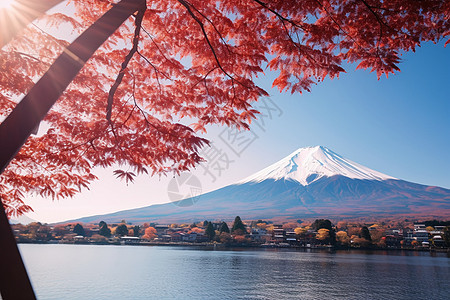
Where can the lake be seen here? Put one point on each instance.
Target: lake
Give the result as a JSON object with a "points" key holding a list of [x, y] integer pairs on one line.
{"points": [[145, 272]]}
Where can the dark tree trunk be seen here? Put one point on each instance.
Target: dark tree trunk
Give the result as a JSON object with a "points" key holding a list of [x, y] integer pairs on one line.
{"points": [[17, 127]]}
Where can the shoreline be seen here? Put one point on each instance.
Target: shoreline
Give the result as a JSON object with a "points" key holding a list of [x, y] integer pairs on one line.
{"points": [[218, 246]]}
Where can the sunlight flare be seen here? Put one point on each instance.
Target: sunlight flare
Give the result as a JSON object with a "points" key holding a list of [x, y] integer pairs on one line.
{"points": [[6, 3]]}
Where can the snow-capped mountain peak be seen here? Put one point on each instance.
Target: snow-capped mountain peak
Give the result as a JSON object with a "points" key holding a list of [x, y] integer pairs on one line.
{"points": [[309, 164]]}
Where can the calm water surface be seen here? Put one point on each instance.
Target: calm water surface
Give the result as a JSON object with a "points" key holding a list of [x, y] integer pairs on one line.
{"points": [[133, 272]]}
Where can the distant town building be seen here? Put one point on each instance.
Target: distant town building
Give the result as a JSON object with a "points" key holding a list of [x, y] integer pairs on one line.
{"points": [[128, 240], [161, 229], [279, 234]]}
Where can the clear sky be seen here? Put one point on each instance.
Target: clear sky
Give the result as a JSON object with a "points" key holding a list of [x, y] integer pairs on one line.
{"points": [[399, 126]]}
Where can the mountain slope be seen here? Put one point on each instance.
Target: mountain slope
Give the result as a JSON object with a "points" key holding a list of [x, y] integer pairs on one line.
{"points": [[311, 182]]}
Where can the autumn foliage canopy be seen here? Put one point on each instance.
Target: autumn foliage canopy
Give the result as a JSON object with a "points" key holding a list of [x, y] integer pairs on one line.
{"points": [[175, 67]]}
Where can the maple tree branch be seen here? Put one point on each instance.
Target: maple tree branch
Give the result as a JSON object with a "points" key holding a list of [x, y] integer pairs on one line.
{"points": [[206, 88], [375, 14], [35, 105], [200, 23], [41, 165], [204, 77], [381, 22], [156, 72], [136, 105], [386, 9], [340, 27], [337, 23], [283, 19], [129, 115], [32, 57], [202, 26], [296, 44], [60, 42], [91, 142], [112, 91], [153, 66], [163, 54], [215, 28], [144, 113], [157, 46], [133, 96]]}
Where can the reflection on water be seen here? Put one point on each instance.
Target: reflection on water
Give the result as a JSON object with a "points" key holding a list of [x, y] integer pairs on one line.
{"points": [[131, 272]]}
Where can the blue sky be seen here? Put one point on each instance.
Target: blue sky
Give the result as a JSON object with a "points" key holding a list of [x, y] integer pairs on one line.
{"points": [[399, 126]]}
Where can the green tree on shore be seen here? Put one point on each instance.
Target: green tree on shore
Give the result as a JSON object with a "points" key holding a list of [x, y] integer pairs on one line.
{"points": [[136, 230], [325, 224], [78, 229], [121, 230], [104, 230], [238, 227], [210, 232], [365, 233], [321, 223], [224, 228]]}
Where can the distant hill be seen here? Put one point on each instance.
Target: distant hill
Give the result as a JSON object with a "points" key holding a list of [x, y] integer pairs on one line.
{"points": [[22, 220], [311, 182]]}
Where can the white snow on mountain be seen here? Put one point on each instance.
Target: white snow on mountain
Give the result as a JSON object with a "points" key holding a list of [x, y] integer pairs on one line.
{"points": [[309, 164]]}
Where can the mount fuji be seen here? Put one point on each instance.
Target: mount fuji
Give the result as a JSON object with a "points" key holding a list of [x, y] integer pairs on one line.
{"points": [[307, 165], [309, 183]]}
